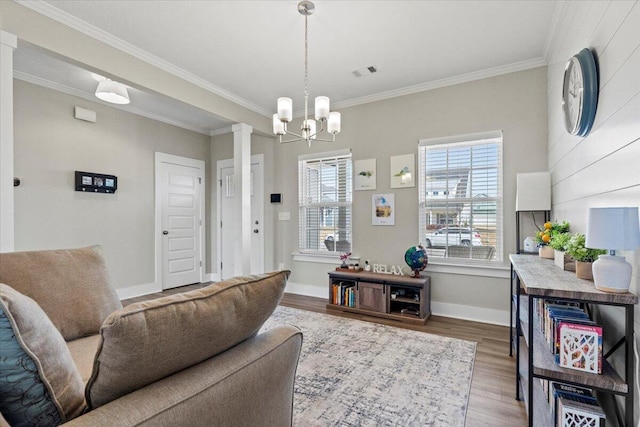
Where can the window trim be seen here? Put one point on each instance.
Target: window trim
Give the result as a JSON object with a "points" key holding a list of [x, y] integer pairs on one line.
{"points": [[322, 256], [449, 264]]}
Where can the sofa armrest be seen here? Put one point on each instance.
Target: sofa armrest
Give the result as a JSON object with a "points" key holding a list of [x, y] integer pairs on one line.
{"points": [[249, 384]]}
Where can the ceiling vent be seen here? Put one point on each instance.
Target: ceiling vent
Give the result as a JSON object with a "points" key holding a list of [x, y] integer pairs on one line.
{"points": [[366, 71]]}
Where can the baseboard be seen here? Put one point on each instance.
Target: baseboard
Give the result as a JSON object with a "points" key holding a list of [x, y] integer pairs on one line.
{"points": [[456, 311], [138, 290], [307, 290], [467, 312]]}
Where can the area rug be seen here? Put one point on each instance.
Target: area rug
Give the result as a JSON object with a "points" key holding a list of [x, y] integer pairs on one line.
{"points": [[356, 373]]}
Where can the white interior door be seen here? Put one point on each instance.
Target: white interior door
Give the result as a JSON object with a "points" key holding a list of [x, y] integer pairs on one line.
{"points": [[229, 225], [181, 191]]}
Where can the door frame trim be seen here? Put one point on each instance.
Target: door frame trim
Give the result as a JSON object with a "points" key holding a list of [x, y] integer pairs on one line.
{"points": [[228, 163], [181, 161]]}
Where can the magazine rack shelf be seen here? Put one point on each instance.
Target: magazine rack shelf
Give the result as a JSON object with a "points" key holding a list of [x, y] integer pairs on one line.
{"points": [[402, 298], [535, 278]]}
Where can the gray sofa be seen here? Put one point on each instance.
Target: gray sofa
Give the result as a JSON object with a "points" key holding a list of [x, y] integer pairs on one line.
{"points": [[188, 359]]}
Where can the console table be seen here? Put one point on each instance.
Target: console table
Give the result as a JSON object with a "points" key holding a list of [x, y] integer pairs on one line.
{"points": [[534, 278], [402, 298]]}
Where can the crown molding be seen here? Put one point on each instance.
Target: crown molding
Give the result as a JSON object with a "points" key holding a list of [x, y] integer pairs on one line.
{"points": [[39, 81], [71, 21], [64, 18], [221, 131], [449, 81]]}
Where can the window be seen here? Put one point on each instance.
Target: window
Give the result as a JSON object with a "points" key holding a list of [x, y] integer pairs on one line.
{"points": [[460, 197], [325, 194]]}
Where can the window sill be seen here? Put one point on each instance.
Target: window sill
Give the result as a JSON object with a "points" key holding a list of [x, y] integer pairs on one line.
{"points": [[498, 271], [321, 258]]}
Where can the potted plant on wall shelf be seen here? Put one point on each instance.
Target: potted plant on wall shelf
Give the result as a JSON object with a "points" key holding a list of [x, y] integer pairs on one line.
{"points": [[544, 237], [559, 244], [584, 256]]}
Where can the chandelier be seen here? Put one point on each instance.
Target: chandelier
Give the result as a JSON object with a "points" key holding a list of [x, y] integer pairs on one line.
{"points": [[309, 131]]}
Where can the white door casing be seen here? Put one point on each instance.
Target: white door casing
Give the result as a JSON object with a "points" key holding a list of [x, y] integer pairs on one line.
{"points": [[179, 220], [228, 224]]}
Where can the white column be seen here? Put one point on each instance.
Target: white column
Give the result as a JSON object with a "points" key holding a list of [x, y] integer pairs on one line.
{"points": [[8, 43], [242, 208]]}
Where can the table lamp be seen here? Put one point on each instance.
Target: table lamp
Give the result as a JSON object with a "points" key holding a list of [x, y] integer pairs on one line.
{"points": [[612, 229]]}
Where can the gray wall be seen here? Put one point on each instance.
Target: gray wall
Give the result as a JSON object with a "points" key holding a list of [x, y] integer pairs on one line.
{"points": [[602, 169], [514, 103], [50, 144]]}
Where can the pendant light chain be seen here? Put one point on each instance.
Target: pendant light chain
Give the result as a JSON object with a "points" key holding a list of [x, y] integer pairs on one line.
{"points": [[284, 114], [306, 58]]}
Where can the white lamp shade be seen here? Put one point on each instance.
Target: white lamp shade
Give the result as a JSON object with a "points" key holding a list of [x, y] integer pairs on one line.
{"points": [[333, 124], [322, 107], [113, 92], [533, 191], [278, 126], [613, 229], [285, 109]]}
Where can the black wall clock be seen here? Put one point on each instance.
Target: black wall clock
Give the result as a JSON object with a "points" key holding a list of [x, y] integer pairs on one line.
{"points": [[580, 93]]}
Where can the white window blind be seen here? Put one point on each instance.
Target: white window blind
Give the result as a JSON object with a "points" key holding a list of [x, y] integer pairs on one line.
{"points": [[325, 195], [460, 198]]}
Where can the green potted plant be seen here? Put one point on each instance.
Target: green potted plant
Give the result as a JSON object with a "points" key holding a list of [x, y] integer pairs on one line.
{"points": [[544, 236], [559, 244], [583, 256]]}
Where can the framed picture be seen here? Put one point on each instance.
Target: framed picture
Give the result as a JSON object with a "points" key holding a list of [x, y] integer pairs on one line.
{"points": [[364, 175], [402, 170], [383, 210]]}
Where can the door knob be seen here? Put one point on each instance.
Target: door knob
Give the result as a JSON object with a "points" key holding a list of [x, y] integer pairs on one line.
{"points": [[165, 232], [255, 231]]}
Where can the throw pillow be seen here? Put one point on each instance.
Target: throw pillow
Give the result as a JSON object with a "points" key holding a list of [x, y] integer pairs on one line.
{"points": [[39, 384], [147, 341], [71, 286]]}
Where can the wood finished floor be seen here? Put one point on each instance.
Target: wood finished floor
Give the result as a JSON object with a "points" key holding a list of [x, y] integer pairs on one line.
{"points": [[492, 399]]}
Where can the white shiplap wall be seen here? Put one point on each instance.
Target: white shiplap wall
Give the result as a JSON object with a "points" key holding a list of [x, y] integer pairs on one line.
{"points": [[602, 169]]}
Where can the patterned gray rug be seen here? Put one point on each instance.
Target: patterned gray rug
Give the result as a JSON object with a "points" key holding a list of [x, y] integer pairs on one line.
{"points": [[355, 373]]}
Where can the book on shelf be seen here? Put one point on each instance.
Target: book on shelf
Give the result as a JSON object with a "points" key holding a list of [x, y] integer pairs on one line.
{"points": [[343, 293], [572, 413], [574, 406], [580, 347], [558, 321], [572, 337]]}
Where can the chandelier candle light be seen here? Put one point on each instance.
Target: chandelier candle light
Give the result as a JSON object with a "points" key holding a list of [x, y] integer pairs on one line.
{"points": [[284, 115], [612, 228]]}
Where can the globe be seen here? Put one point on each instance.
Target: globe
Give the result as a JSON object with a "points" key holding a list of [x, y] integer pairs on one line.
{"points": [[417, 259]]}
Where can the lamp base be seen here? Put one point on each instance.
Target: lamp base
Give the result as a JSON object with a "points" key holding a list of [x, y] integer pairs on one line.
{"points": [[612, 274]]}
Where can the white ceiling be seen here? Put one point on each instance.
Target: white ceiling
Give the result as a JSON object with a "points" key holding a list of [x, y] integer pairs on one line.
{"points": [[252, 52]]}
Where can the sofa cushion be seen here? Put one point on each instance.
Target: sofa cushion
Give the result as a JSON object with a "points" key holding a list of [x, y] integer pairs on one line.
{"points": [[39, 383], [71, 285], [147, 341]]}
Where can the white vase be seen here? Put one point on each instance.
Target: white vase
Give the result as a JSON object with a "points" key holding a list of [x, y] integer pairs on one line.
{"points": [[559, 258]]}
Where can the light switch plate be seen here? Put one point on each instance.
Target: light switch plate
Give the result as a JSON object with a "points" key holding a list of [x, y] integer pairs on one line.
{"points": [[284, 216]]}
